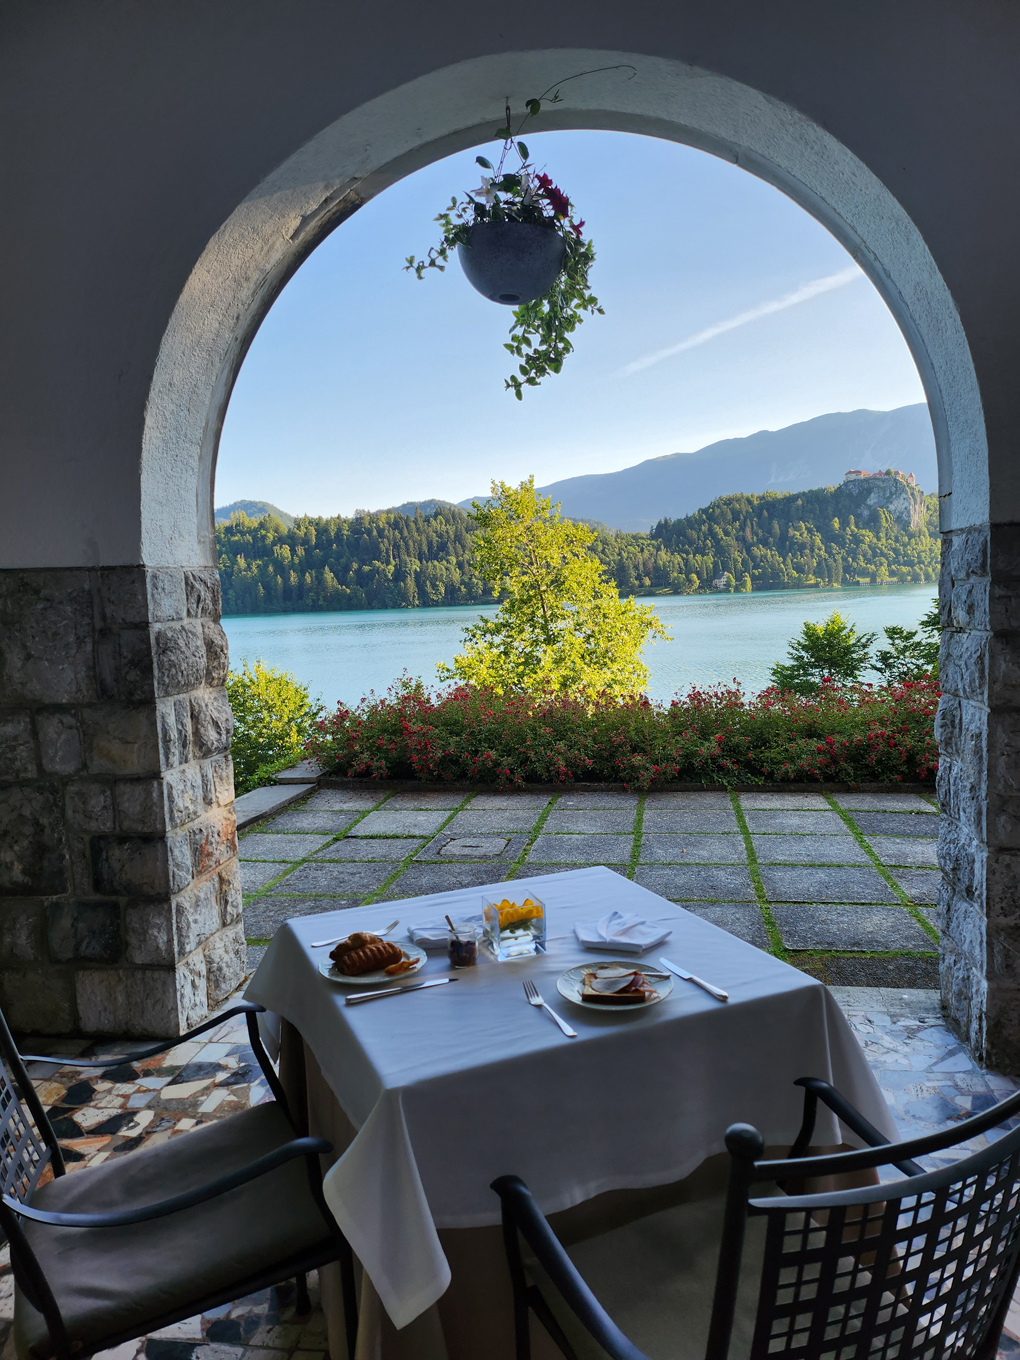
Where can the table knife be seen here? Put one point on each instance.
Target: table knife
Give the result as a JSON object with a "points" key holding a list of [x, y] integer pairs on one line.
{"points": [[359, 997], [717, 992]]}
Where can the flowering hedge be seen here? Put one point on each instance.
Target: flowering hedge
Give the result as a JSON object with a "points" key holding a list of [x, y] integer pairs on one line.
{"points": [[863, 733]]}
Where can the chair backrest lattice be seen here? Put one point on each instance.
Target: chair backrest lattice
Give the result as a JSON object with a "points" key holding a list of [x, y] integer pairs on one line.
{"points": [[23, 1156], [924, 1273]]}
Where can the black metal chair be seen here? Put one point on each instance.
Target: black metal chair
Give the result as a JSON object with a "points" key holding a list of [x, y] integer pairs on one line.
{"points": [[112, 1252], [919, 1268]]}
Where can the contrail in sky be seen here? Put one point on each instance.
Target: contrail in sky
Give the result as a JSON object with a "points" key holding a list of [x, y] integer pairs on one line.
{"points": [[802, 294]]}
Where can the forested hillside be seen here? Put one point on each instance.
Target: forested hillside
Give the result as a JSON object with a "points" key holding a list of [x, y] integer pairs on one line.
{"points": [[388, 560]]}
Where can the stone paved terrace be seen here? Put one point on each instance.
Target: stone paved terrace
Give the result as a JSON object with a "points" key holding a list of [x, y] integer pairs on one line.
{"points": [[842, 885], [928, 1079]]}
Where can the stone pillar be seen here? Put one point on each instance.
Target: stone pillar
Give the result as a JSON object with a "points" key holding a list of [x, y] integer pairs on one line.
{"points": [[979, 789], [120, 900]]}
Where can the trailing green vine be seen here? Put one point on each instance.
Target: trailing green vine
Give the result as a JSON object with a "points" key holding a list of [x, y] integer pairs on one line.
{"points": [[541, 330]]}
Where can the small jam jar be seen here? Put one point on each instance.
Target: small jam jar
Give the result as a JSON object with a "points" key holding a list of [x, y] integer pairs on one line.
{"points": [[463, 946]]}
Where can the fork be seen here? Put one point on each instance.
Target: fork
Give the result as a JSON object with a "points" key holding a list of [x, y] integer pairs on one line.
{"points": [[535, 998], [321, 944]]}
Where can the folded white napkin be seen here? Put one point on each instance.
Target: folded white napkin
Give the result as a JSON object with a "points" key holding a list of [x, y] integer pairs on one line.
{"points": [[435, 934], [624, 931]]}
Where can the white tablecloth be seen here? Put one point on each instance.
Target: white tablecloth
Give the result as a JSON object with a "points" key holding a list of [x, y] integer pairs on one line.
{"points": [[460, 1084]]}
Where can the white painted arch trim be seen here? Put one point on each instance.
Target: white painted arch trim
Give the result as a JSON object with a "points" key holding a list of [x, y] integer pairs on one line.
{"points": [[250, 258]]}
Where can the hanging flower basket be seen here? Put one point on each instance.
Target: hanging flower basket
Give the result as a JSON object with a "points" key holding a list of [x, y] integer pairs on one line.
{"points": [[519, 244], [512, 262]]}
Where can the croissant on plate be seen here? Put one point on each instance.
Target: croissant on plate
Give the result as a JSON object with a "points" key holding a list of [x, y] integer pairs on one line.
{"points": [[358, 940], [370, 958]]}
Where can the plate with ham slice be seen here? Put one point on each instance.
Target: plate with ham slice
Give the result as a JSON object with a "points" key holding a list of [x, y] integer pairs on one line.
{"points": [[614, 986]]}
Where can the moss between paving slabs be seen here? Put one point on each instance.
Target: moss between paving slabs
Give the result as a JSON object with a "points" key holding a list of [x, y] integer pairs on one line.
{"points": [[593, 826]]}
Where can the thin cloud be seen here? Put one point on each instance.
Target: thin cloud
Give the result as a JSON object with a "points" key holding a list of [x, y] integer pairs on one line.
{"points": [[802, 294]]}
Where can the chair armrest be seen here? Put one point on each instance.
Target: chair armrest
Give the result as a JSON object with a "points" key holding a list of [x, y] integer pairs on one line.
{"points": [[297, 1147], [814, 1090], [522, 1214], [242, 1008]]}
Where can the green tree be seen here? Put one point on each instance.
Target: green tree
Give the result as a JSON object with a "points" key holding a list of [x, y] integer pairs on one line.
{"points": [[273, 718], [913, 653], [561, 626], [833, 649]]}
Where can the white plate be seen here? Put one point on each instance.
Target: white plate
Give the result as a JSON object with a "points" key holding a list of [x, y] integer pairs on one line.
{"points": [[413, 952], [570, 983]]}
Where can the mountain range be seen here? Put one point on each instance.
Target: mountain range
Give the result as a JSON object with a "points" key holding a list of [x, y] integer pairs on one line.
{"points": [[813, 453]]}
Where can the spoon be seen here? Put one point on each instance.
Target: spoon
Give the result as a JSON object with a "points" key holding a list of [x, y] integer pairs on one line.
{"points": [[321, 944]]}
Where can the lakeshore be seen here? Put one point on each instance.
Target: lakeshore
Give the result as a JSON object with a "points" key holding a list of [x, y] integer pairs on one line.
{"points": [[341, 656]]}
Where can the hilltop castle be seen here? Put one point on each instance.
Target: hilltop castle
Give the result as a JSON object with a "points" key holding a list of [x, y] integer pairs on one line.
{"points": [[856, 474]]}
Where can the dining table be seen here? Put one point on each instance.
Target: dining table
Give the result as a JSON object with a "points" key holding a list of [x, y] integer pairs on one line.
{"points": [[428, 1097]]}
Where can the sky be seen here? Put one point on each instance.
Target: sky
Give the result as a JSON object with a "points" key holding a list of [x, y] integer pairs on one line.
{"points": [[728, 309]]}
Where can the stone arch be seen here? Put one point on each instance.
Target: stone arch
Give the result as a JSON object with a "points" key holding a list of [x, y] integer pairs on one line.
{"points": [[254, 253]]}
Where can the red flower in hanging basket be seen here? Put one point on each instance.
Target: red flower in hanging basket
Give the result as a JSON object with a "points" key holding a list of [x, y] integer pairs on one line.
{"points": [[556, 198]]}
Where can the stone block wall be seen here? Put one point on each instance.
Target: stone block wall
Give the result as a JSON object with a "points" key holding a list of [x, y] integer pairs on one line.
{"points": [[978, 729], [120, 900]]}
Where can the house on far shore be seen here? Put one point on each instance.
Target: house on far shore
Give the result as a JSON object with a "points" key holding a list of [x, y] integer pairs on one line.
{"points": [[855, 474], [723, 582]]}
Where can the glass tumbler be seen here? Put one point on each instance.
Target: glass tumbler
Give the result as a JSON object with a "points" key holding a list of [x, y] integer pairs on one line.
{"points": [[463, 947]]}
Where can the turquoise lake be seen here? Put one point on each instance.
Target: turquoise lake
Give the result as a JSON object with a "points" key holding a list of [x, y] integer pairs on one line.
{"points": [[715, 638]]}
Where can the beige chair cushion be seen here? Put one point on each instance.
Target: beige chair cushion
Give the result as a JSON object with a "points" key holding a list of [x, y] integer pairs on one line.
{"points": [[113, 1280], [655, 1278]]}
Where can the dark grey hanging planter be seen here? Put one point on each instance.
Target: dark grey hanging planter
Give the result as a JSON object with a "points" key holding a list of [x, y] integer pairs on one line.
{"points": [[512, 262]]}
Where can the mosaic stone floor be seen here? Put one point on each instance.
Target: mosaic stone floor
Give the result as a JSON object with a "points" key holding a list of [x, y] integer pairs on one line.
{"points": [[927, 1076], [842, 886]]}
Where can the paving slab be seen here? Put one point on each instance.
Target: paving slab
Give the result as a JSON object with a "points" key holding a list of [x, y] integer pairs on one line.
{"points": [[418, 880], [797, 823], [445, 848], [330, 822], [697, 882], [344, 798], [931, 915], [896, 824], [451, 799], [659, 848], [530, 870], [850, 927], [256, 874], [499, 822], [590, 821], [301, 773], [681, 819], [906, 850], [809, 850], [700, 798], [825, 885], [365, 848], [338, 880], [596, 799], [500, 802], [742, 919], [278, 846], [264, 916], [884, 802], [903, 973], [252, 807], [566, 849], [784, 802], [391, 821], [256, 953], [920, 885]]}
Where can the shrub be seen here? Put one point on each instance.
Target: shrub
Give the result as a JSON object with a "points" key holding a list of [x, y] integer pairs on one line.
{"points": [[833, 650], [273, 717], [862, 733]]}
